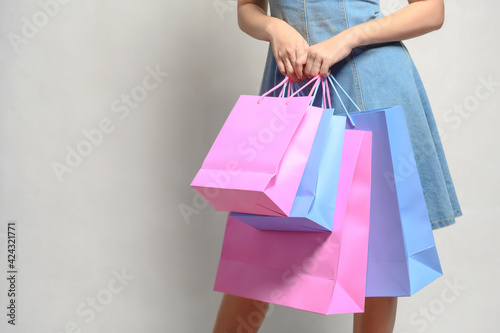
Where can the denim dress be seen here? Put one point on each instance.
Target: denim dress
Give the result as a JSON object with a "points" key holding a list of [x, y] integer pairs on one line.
{"points": [[375, 76]]}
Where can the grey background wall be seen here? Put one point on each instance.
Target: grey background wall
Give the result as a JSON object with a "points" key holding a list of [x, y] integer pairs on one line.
{"points": [[108, 109]]}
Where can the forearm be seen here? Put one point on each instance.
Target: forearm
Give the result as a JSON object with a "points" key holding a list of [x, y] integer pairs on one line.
{"points": [[253, 19], [416, 19], [286, 42]]}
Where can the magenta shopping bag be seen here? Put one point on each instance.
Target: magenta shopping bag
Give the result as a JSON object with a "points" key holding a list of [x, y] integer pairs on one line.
{"points": [[318, 272], [257, 161]]}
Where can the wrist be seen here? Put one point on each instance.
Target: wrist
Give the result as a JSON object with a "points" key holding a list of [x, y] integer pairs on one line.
{"points": [[272, 27], [353, 37]]}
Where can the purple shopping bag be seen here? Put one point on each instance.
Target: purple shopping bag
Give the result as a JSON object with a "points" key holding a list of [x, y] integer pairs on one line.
{"points": [[402, 256]]}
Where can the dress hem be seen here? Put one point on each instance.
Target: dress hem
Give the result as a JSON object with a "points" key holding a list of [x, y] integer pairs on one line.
{"points": [[447, 221]]}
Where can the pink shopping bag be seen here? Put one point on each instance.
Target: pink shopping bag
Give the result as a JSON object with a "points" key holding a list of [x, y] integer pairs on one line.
{"points": [[257, 161], [312, 271]]}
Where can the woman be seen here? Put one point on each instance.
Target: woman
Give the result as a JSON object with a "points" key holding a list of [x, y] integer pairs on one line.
{"points": [[361, 47]]}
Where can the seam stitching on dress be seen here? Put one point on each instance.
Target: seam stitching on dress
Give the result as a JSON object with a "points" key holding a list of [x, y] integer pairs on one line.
{"points": [[448, 218], [304, 22], [407, 53], [278, 7], [280, 13], [357, 85]]}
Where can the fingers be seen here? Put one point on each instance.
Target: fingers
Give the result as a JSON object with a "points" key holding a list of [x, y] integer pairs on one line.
{"points": [[299, 65], [324, 70], [281, 67], [308, 65], [313, 65], [294, 78], [288, 66], [316, 66], [292, 73]]}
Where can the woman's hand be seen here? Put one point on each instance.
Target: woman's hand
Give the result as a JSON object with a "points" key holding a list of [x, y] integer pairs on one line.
{"points": [[420, 17], [318, 58], [287, 45], [296, 59], [286, 42]]}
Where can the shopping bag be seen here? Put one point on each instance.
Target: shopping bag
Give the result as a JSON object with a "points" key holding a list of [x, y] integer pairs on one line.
{"points": [[402, 256], [257, 160], [314, 205], [318, 272]]}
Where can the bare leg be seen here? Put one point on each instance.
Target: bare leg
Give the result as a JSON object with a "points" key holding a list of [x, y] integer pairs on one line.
{"points": [[379, 315], [240, 315]]}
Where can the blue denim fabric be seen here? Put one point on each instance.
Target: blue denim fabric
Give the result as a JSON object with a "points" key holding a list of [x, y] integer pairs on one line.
{"points": [[376, 76]]}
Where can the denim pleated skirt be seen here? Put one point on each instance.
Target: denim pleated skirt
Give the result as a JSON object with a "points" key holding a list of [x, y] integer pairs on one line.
{"points": [[375, 76]]}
